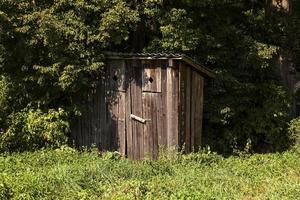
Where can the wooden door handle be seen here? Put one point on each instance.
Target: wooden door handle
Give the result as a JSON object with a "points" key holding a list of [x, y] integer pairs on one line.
{"points": [[138, 118]]}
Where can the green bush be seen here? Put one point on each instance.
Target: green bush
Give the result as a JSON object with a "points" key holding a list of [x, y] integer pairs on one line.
{"points": [[4, 105], [31, 129], [294, 131], [5, 191]]}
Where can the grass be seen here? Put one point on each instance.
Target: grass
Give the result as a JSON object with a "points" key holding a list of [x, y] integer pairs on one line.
{"points": [[69, 174]]}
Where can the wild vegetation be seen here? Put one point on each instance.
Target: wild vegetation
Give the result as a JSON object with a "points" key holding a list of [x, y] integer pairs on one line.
{"points": [[68, 174], [51, 51]]}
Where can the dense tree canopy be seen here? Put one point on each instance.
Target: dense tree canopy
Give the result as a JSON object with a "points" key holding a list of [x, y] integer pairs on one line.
{"points": [[52, 50]]}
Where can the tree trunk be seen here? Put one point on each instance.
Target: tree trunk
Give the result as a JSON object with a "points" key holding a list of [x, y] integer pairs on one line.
{"points": [[279, 11]]}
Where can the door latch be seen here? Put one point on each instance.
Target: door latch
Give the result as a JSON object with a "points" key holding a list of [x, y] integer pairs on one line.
{"points": [[142, 120]]}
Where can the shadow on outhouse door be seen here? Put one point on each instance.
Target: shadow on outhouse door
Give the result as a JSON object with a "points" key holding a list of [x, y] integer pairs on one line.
{"points": [[135, 107], [117, 100], [145, 115]]}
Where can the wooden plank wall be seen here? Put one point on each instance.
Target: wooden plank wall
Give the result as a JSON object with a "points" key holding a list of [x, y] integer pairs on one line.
{"points": [[103, 113], [106, 120], [190, 107], [92, 127]]}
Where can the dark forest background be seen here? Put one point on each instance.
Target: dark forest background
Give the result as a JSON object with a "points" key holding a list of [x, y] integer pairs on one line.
{"points": [[52, 50]]}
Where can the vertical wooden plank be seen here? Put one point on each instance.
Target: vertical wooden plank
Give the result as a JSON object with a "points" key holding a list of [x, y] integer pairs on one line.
{"points": [[83, 122], [162, 107], [134, 110], [111, 105], [199, 113], [148, 127], [114, 110], [201, 110], [107, 118], [136, 107], [150, 113], [172, 106], [194, 100], [102, 114], [187, 100], [86, 127], [82, 125], [121, 125], [89, 121], [155, 124], [100, 95], [196, 110], [99, 101], [93, 117], [182, 103], [128, 121], [96, 114]]}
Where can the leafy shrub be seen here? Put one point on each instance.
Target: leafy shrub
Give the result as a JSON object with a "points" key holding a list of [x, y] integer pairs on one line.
{"points": [[5, 191], [112, 155], [4, 106], [31, 129], [204, 157], [259, 120], [294, 131]]}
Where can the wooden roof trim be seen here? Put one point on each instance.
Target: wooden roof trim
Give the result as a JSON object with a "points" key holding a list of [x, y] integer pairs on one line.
{"points": [[198, 66], [150, 56]]}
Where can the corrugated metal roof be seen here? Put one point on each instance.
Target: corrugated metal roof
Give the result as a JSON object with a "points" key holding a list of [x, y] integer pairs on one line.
{"points": [[196, 65], [152, 55]]}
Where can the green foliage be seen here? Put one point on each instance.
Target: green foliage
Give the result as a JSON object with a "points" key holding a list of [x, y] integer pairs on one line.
{"points": [[260, 119], [5, 191], [31, 129], [4, 106], [68, 174], [117, 23], [178, 35], [60, 43], [246, 102], [294, 131], [52, 51]]}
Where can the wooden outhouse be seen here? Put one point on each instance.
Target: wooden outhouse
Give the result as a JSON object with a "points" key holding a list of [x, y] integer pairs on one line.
{"points": [[144, 102]]}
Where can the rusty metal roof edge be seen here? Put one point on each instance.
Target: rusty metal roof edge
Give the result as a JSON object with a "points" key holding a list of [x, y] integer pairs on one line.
{"points": [[143, 55], [198, 66]]}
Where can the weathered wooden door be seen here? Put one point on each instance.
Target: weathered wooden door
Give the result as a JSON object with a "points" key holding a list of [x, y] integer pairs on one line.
{"points": [[145, 116], [135, 104], [152, 107]]}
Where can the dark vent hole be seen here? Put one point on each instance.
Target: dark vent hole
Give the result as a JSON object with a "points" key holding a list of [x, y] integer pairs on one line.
{"points": [[115, 78], [151, 80]]}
